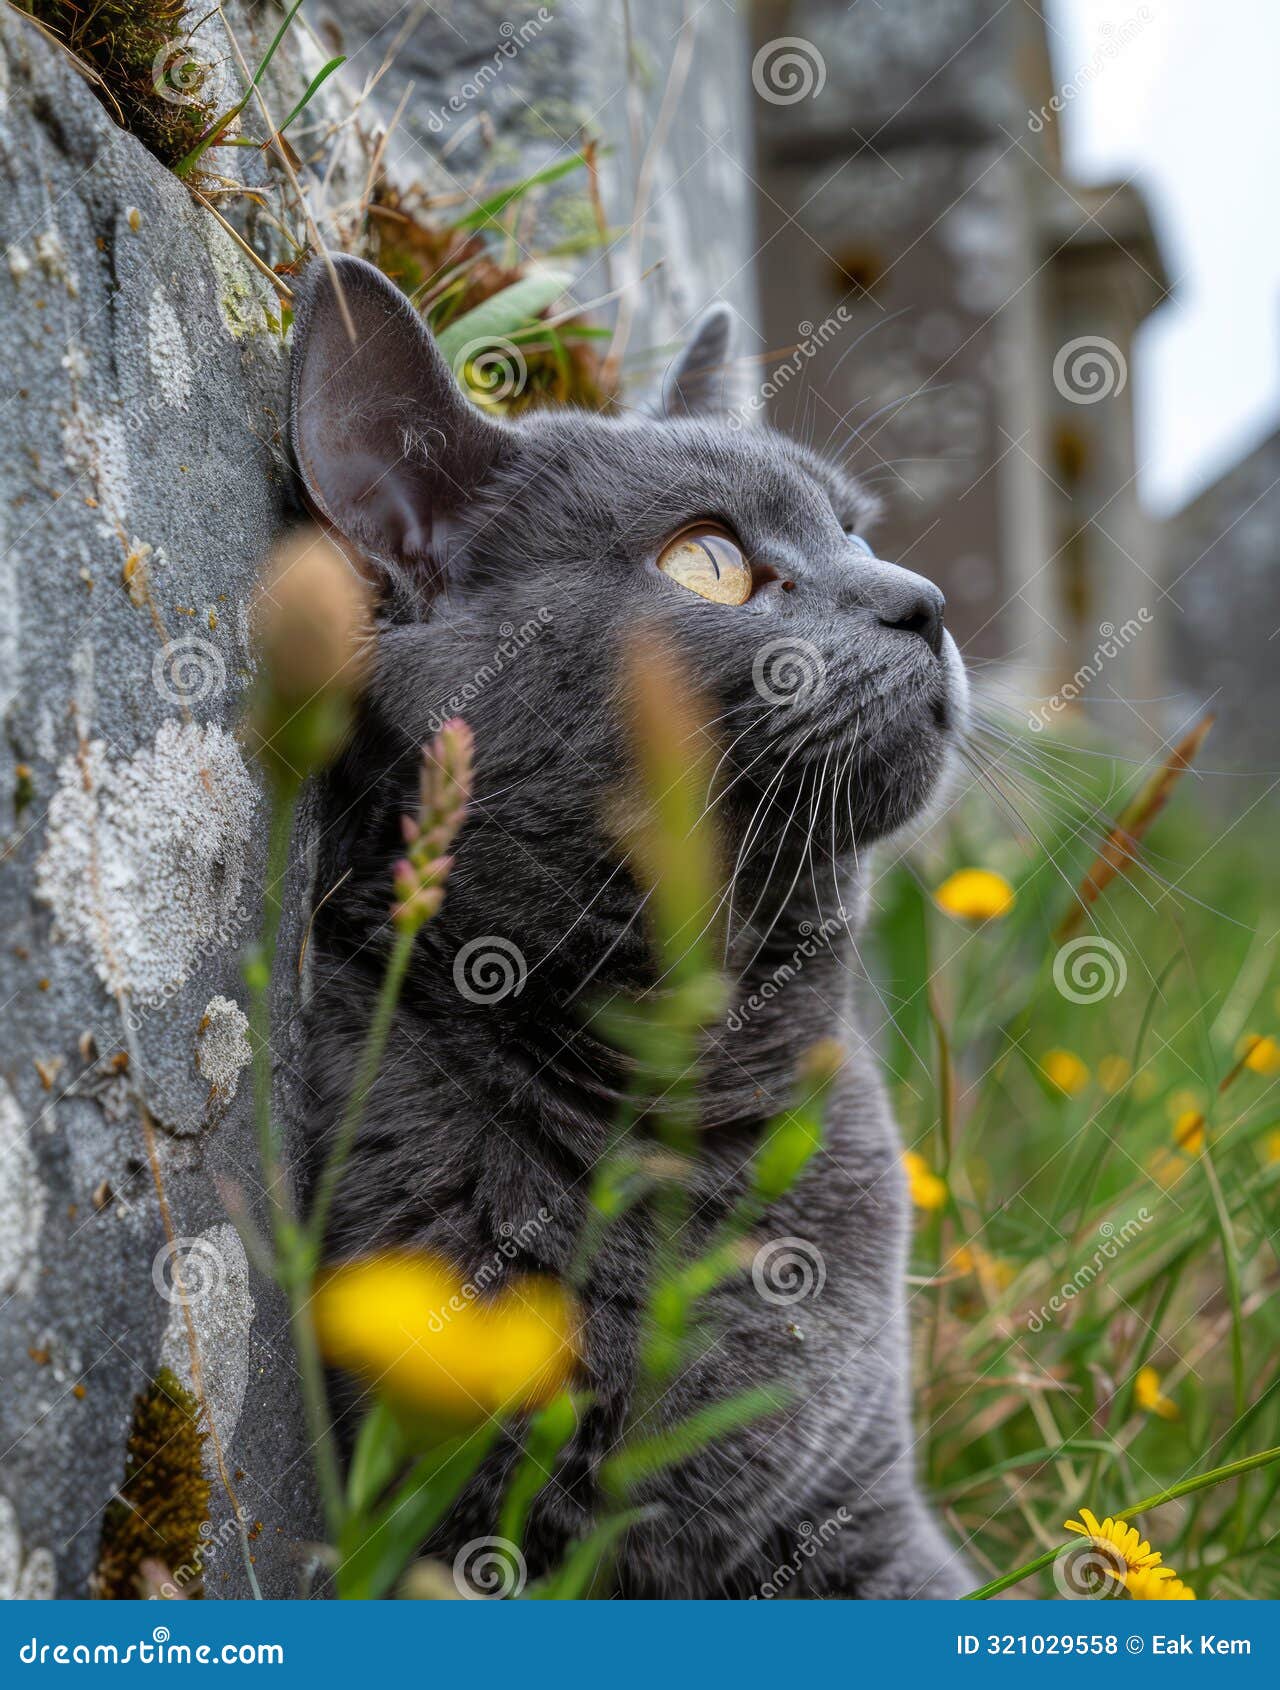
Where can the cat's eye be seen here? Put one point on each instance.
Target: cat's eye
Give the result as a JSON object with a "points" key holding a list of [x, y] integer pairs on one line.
{"points": [[709, 562]]}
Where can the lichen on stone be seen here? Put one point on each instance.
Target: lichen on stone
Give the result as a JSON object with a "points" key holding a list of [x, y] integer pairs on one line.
{"points": [[22, 1199], [222, 1046], [144, 857], [167, 350], [24, 1576], [215, 1279]]}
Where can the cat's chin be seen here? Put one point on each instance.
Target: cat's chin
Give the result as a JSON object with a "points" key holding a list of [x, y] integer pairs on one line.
{"points": [[909, 760]]}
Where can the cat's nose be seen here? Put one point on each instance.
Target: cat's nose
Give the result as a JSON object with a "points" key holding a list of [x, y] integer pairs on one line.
{"points": [[900, 599], [920, 612]]}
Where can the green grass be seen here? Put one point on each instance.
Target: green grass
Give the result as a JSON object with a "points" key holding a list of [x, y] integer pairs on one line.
{"points": [[1027, 1409]]}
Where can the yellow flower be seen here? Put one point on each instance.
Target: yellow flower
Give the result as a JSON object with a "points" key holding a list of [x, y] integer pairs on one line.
{"points": [[975, 894], [1117, 1540], [410, 1323], [927, 1190], [1064, 1069], [1271, 1145], [1180, 1101], [1188, 1132], [993, 1270], [1155, 1584], [1261, 1053], [1113, 1071], [1146, 1389]]}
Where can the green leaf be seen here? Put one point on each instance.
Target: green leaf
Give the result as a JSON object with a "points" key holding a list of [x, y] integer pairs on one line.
{"points": [[506, 312], [379, 1451], [549, 1431], [677, 1443], [375, 1549], [793, 1138], [321, 75], [903, 939], [489, 209], [574, 1578]]}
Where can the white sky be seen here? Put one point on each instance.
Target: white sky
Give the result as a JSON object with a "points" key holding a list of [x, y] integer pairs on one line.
{"points": [[1190, 108]]}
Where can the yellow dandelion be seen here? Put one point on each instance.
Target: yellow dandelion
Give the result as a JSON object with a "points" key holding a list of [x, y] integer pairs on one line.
{"points": [[1188, 1132], [975, 894], [1149, 1396], [410, 1323], [928, 1191], [1159, 1584], [1064, 1069], [1113, 1071], [1260, 1053], [961, 1259], [1117, 1540]]}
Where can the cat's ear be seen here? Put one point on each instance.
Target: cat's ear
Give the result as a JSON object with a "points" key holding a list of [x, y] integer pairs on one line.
{"points": [[697, 382], [387, 442]]}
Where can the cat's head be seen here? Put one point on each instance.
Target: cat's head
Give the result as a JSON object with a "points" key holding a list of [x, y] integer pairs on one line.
{"points": [[520, 556]]}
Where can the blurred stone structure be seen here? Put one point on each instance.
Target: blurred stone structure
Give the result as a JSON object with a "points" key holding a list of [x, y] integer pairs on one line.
{"points": [[912, 192], [481, 93], [1222, 565]]}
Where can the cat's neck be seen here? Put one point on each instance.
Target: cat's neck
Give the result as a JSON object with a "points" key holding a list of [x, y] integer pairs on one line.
{"points": [[789, 957]]}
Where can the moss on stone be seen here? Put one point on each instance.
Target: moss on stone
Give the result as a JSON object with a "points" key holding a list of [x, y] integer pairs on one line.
{"points": [[151, 83], [163, 1502]]}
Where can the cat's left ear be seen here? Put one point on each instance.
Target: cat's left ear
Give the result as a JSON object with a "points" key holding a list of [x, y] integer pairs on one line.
{"points": [[388, 444], [697, 383]]}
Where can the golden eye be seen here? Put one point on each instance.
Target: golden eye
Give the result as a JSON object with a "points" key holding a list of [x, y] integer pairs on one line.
{"points": [[709, 562]]}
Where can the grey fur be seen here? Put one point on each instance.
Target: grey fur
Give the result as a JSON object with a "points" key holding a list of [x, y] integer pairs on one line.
{"points": [[487, 1118]]}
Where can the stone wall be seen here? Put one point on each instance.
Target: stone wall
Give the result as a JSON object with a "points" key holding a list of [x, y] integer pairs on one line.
{"points": [[142, 481]]}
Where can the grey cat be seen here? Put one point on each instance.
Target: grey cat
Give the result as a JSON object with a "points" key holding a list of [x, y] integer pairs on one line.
{"points": [[517, 559]]}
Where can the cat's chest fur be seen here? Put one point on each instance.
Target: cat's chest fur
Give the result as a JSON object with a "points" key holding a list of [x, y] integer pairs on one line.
{"points": [[479, 1141]]}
